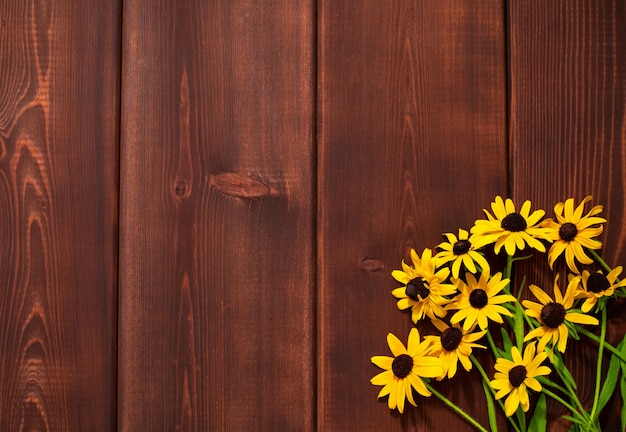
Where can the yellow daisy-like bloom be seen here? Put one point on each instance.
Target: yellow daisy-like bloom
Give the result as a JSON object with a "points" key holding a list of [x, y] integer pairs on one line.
{"points": [[513, 378], [552, 314], [572, 231], [597, 285], [423, 289], [405, 370], [459, 250], [454, 345], [479, 300], [509, 228]]}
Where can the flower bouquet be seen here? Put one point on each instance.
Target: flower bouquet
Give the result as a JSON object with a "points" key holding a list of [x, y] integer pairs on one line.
{"points": [[466, 285]]}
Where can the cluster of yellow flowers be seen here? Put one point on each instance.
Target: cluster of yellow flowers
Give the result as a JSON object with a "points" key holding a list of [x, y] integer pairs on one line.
{"points": [[459, 292]]}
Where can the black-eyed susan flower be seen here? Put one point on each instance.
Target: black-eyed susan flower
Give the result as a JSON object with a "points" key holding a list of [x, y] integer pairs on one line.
{"points": [[594, 286], [553, 314], [572, 231], [515, 377], [509, 228], [404, 371], [480, 300], [454, 345], [459, 250], [424, 289]]}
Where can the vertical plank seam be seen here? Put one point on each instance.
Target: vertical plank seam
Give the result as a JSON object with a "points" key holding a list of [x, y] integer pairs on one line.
{"points": [[510, 174], [116, 366], [315, 210]]}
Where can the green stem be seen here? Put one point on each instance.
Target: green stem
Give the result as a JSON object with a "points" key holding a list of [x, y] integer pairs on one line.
{"points": [[492, 345], [596, 394], [572, 392], [547, 382], [507, 273], [483, 374], [458, 410], [607, 345], [599, 259], [580, 414], [559, 399]]}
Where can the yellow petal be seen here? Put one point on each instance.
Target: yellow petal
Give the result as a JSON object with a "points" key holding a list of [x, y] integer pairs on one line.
{"points": [[418, 385], [540, 294], [517, 357], [400, 394], [562, 331], [533, 384], [579, 318], [383, 362], [414, 340], [383, 378], [511, 403], [395, 345], [401, 276]]}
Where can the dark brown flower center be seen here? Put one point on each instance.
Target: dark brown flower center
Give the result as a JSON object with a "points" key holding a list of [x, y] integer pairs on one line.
{"points": [[517, 375], [568, 231], [478, 298], [514, 222], [417, 289], [451, 338], [553, 315], [461, 247], [597, 282], [402, 365]]}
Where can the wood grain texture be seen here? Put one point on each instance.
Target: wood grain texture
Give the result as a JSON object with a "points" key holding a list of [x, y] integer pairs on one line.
{"points": [[568, 126], [59, 112], [412, 143], [217, 216]]}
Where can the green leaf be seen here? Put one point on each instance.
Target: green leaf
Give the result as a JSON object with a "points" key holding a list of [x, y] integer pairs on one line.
{"points": [[609, 383], [493, 424], [577, 421], [506, 340], [622, 386], [611, 379], [521, 289], [538, 422], [518, 327], [564, 373]]}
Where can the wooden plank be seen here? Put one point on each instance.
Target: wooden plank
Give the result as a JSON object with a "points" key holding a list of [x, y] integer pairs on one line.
{"points": [[412, 112], [59, 112], [217, 214], [568, 69]]}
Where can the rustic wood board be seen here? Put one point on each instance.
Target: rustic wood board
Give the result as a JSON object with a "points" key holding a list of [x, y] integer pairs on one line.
{"points": [[412, 143], [59, 114], [217, 216], [568, 70]]}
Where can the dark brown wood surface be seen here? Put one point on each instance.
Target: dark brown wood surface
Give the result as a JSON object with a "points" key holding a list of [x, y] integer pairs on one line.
{"points": [[217, 314], [59, 98], [412, 143], [568, 101], [276, 161]]}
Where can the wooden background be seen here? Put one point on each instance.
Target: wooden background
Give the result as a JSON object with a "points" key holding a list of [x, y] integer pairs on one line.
{"points": [[201, 201]]}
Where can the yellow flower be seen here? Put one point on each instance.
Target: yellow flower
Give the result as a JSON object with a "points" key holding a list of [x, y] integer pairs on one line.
{"points": [[509, 228], [403, 371], [515, 377], [454, 345], [423, 289], [552, 314], [460, 251], [572, 231], [479, 301], [597, 285]]}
